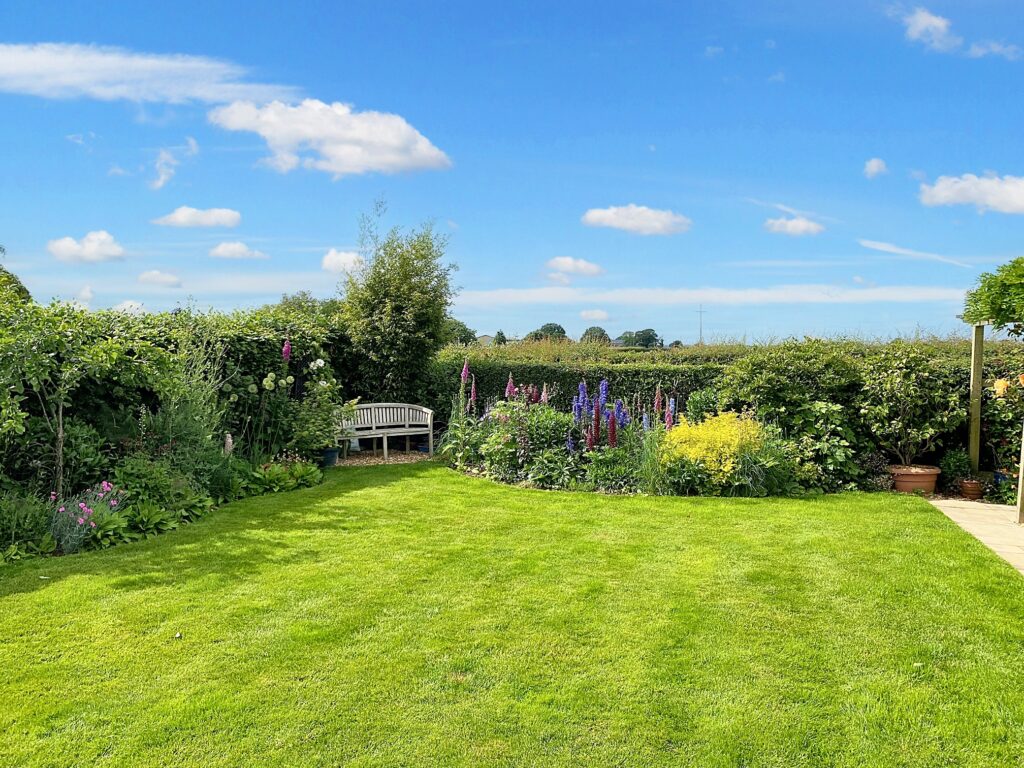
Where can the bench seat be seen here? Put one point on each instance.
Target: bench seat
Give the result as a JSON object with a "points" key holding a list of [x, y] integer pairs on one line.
{"points": [[386, 420]]}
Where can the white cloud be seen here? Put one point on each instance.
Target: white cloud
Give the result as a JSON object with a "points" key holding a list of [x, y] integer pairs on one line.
{"points": [[569, 266], [796, 226], [332, 137], [594, 314], [167, 161], [85, 295], [94, 247], [936, 33], [559, 277], [711, 51], [165, 166], [932, 31], [993, 48], [988, 193], [875, 167], [69, 71], [129, 306], [186, 216], [156, 277], [895, 250], [638, 219], [647, 297], [117, 170], [341, 262], [235, 250], [778, 77]]}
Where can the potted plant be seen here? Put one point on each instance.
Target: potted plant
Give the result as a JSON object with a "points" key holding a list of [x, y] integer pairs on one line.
{"points": [[318, 422], [908, 411], [958, 475]]}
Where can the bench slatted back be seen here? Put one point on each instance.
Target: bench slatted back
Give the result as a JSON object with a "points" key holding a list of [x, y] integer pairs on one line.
{"points": [[372, 417]]}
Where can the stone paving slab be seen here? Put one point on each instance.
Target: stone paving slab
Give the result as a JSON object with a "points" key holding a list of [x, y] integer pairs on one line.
{"points": [[994, 525]]}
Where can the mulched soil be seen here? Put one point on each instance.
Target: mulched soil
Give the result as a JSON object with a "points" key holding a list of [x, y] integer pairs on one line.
{"points": [[366, 458]]}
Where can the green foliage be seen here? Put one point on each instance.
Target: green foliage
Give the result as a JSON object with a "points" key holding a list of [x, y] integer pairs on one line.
{"points": [[553, 468], [148, 519], [955, 466], [999, 298], [12, 290], [548, 331], [24, 521], [111, 528], [396, 310], [632, 381], [613, 470], [907, 403], [500, 339], [276, 477], [595, 334], [457, 332], [700, 404]]}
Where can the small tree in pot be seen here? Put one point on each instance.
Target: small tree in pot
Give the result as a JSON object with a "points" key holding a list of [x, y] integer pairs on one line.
{"points": [[908, 411], [319, 416]]}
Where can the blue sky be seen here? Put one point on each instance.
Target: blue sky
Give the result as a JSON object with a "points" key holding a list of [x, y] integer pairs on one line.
{"points": [[795, 167]]}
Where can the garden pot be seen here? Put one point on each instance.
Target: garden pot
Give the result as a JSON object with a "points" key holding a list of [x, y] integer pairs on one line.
{"points": [[330, 457], [970, 489], [914, 478]]}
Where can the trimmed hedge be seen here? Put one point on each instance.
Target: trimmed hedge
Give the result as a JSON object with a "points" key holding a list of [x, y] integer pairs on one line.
{"points": [[627, 380]]}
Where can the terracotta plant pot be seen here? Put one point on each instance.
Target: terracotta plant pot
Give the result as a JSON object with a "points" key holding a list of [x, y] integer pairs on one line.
{"points": [[914, 478], [970, 489]]}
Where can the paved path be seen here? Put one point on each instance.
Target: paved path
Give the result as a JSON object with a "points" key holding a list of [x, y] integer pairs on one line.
{"points": [[994, 525]]}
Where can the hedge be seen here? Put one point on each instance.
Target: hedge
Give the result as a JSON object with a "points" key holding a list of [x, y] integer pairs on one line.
{"points": [[627, 380]]}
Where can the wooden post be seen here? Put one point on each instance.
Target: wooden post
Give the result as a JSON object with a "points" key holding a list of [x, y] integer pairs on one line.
{"points": [[1020, 482], [974, 433]]}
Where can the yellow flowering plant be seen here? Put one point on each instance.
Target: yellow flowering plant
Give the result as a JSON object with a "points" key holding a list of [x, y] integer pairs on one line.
{"points": [[716, 445]]}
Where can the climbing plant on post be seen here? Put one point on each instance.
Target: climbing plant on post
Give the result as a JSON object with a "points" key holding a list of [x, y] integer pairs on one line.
{"points": [[998, 300]]}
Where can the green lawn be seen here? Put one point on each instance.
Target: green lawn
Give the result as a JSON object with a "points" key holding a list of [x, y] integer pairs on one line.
{"points": [[408, 615]]}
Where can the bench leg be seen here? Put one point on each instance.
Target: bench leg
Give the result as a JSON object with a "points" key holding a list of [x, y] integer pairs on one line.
{"points": [[374, 441], [430, 443], [406, 443], [384, 440]]}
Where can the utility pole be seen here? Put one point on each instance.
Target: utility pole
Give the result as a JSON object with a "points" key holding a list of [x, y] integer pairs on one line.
{"points": [[700, 316]]}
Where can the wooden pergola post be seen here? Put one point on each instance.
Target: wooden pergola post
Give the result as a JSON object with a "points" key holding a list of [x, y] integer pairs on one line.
{"points": [[1020, 483], [974, 426]]}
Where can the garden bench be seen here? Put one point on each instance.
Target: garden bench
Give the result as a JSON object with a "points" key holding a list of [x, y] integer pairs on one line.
{"points": [[386, 420]]}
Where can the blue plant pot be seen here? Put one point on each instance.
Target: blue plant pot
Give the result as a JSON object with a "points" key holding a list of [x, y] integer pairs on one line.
{"points": [[330, 457]]}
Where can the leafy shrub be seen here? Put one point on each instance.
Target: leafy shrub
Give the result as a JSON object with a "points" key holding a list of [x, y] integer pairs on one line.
{"points": [[149, 519], [955, 466], [553, 468], [110, 528], [714, 444], [151, 481], [907, 403], [613, 469], [701, 404], [24, 524], [729, 454]]}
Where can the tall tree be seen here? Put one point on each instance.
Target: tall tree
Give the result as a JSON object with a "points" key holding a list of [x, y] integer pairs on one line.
{"points": [[499, 339], [396, 310], [595, 334], [547, 331]]}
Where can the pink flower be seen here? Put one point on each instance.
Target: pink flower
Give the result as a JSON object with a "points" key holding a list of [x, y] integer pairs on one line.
{"points": [[286, 350], [544, 394], [510, 388], [92, 524], [472, 391], [465, 371], [113, 502], [107, 487], [61, 509], [53, 495], [81, 521], [81, 505]]}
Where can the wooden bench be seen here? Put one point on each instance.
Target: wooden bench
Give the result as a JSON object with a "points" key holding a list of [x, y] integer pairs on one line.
{"points": [[386, 420]]}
